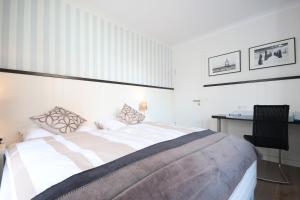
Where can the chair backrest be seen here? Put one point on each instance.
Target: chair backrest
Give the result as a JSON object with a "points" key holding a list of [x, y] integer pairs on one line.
{"points": [[271, 123]]}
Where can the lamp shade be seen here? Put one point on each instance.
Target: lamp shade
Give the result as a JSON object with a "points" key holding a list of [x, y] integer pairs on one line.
{"points": [[143, 106]]}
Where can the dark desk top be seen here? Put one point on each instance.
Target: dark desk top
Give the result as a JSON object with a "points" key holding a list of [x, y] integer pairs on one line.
{"points": [[223, 116]]}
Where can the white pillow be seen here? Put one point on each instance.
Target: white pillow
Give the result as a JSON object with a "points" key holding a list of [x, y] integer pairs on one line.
{"points": [[109, 124], [33, 132], [86, 128]]}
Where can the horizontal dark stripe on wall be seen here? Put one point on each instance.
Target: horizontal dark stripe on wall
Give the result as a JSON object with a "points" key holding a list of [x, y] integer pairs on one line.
{"points": [[78, 78], [253, 81]]}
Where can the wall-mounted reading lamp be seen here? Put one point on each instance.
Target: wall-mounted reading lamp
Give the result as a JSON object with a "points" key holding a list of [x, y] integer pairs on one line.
{"points": [[143, 106]]}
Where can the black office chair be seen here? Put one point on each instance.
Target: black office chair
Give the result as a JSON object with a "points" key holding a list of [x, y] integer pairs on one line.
{"points": [[270, 130]]}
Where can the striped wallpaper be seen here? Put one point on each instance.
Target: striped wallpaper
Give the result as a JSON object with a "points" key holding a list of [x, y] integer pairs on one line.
{"points": [[53, 36]]}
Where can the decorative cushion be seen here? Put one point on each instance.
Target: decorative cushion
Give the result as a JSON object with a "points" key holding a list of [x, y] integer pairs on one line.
{"points": [[59, 120], [129, 115]]}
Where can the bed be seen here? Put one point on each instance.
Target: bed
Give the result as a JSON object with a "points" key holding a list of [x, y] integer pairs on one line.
{"points": [[69, 166]]}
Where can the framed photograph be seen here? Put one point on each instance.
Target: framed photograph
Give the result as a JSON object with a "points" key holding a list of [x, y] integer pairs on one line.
{"points": [[273, 54], [224, 64]]}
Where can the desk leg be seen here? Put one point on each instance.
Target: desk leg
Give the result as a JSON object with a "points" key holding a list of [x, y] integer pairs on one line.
{"points": [[219, 125]]}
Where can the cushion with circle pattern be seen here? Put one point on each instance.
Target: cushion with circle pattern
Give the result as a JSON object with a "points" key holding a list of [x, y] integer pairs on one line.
{"points": [[129, 115], [59, 121]]}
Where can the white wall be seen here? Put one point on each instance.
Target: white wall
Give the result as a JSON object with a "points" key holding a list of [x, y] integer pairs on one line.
{"points": [[23, 96], [190, 63], [63, 37], [67, 37]]}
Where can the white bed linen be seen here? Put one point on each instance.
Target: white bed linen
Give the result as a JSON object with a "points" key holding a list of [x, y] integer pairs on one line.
{"points": [[137, 137], [245, 189], [34, 131], [109, 124], [142, 135]]}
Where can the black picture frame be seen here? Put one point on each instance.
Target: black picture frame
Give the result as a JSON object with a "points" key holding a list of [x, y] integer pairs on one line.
{"points": [[239, 58], [270, 43]]}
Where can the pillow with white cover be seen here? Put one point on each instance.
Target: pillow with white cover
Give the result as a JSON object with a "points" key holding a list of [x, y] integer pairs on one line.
{"points": [[34, 132], [129, 115], [109, 124], [59, 121], [86, 128]]}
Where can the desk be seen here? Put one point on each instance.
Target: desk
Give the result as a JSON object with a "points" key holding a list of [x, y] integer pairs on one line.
{"points": [[223, 116]]}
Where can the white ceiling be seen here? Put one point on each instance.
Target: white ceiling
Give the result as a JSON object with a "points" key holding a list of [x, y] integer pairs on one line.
{"points": [[177, 21]]}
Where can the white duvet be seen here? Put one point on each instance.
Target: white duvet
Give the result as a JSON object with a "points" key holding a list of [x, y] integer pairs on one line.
{"points": [[46, 167]]}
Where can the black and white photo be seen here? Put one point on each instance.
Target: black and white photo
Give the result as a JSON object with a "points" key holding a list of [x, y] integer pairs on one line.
{"points": [[224, 64], [272, 54]]}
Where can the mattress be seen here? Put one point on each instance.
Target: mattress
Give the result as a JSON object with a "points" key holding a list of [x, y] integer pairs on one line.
{"points": [[136, 137], [245, 189]]}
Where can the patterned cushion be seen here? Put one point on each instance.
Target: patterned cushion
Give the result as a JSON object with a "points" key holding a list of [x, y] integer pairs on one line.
{"points": [[129, 115], [59, 120]]}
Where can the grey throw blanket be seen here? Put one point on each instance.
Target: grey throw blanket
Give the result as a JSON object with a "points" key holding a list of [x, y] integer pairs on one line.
{"points": [[199, 165]]}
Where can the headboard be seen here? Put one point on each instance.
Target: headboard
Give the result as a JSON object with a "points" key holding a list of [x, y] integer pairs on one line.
{"points": [[22, 96]]}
